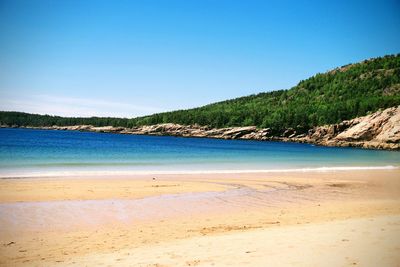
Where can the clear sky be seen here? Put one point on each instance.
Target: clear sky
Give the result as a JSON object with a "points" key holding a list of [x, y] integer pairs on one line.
{"points": [[130, 58]]}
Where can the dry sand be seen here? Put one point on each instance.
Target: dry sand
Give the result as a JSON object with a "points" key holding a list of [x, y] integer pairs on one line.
{"points": [[353, 242], [341, 218]]}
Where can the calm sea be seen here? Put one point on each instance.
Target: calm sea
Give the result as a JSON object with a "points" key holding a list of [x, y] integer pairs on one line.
{"points": [[38, 152]]}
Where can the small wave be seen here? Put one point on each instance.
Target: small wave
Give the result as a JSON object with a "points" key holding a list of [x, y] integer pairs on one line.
{"points": [[61, 173]]}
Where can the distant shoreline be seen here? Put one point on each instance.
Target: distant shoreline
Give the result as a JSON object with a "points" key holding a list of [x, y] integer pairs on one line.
{"points": [[375, 131]]}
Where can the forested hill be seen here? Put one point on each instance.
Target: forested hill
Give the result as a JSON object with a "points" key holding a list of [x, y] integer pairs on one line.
{"points": [[343, 93]]}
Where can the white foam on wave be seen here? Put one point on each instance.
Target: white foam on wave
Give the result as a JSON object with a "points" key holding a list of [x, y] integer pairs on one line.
{"points": [[63, 173]]}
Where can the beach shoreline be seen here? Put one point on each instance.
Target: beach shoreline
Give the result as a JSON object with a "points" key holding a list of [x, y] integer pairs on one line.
{"points": [[61, 220], [76, 173]]}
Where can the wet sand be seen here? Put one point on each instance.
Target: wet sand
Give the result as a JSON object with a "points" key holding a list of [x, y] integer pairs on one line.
{"points": [[335, 218]]}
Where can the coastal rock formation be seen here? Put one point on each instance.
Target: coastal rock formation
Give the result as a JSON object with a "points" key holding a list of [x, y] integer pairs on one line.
{"points": [[380, 130], [236, 133]]}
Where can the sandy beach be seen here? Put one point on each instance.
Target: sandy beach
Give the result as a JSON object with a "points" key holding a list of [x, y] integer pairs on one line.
{"points": [[199, 133], [316, 218]]}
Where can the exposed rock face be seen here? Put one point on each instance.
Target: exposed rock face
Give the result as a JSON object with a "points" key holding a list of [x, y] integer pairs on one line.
{"points": [[380, 130], [236, 133], [192, 131]]}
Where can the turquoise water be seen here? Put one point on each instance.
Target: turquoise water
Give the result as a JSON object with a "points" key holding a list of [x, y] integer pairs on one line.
{"points": [[25, 151]]}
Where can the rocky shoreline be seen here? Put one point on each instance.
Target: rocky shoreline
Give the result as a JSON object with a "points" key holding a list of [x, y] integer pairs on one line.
{"points": [[380, 130]]}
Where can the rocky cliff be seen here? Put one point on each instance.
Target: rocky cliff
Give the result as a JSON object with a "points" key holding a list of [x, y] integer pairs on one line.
{"points": [[380, 130]]}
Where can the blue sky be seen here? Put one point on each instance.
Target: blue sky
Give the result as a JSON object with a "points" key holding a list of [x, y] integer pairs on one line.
{"points": [[131, 58]]}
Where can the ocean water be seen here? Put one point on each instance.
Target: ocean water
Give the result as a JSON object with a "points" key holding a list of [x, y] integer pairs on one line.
{"points": [[28, 152]]}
